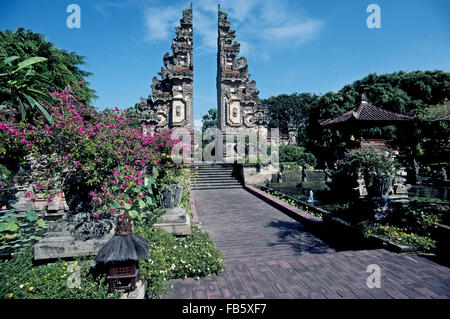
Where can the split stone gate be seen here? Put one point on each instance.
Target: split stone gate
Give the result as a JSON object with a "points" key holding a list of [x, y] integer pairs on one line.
{"points": [[170, 104]]}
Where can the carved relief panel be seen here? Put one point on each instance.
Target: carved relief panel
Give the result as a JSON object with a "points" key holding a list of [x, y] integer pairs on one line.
{"points": [[178, 113], [234, 113]]}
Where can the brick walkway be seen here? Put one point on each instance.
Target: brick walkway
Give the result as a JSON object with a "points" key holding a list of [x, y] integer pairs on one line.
{"points": [[269, 255]]}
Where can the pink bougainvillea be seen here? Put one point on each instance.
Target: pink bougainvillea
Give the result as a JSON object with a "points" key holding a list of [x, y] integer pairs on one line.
{"points": [[102, 150]]}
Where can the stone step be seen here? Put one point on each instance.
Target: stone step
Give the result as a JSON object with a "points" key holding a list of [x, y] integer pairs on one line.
{"points": [[212, 164], [216, 187], [224, 180], [218, 179], [210, 170], [203, 176], [211, 167], [213, 170], [217, 183], [215, 174]]}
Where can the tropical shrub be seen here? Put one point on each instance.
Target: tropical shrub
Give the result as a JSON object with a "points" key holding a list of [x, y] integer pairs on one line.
{"points": [[62, 68], [16, 233], [22, 86], [368, 160], [290, 153]]}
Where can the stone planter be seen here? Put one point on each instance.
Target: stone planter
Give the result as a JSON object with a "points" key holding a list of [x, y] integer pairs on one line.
{"points": [[378, 185]]}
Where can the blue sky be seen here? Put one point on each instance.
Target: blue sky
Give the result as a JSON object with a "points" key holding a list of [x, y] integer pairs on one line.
{"points": [[291, 45]]}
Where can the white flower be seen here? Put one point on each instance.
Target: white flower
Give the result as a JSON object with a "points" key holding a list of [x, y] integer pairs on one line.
{"points": [[21, 286]]}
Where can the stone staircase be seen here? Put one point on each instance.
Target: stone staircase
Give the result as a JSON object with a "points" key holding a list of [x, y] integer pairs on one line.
{"points": [[214, 176]]}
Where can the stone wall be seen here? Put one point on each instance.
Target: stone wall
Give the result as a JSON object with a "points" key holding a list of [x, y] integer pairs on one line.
{"points": [[254, 175]]}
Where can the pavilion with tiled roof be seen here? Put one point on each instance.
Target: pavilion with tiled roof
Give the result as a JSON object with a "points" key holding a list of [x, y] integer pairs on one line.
{"points": [[366, 115]]}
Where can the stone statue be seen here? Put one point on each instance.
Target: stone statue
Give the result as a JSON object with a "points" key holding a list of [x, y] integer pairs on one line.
{"points": [[171, 196]]}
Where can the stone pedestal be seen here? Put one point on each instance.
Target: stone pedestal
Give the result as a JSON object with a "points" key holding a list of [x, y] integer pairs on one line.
{"points": [[175, 221]]}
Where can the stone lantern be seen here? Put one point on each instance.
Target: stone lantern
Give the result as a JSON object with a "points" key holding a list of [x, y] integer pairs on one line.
{"points": [[121, 255]]}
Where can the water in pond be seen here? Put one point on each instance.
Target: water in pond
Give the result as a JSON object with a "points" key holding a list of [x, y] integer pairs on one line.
{"points": [[428, 191]]}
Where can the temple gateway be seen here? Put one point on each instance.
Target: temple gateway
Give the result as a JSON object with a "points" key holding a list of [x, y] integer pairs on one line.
{"points": [[170, 103]]}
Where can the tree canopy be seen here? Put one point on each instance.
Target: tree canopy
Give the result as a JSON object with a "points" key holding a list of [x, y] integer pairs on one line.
{"points": [[61, 68], [414, 93], [209, 119], [295, 107]]}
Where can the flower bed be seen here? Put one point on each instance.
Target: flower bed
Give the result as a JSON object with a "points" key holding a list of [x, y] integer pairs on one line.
{"points": [[20, 278], [172, 258], [400, 236]]}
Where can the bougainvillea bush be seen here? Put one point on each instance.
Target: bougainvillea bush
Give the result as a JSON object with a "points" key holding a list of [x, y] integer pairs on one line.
{"points": [[98, 157]]}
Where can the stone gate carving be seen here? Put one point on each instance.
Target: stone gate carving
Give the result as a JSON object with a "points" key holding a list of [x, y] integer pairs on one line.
{"points": [[237, 97], [171, 104]]}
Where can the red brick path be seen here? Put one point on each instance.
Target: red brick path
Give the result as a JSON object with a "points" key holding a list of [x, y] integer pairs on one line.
{"points": [[269, 255]]}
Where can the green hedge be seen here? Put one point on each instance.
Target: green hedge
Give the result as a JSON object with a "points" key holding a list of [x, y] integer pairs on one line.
{"points": [[290, 153]]}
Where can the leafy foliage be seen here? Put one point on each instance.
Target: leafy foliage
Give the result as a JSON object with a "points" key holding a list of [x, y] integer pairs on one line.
{"points": [[20, 278], [295, 106], [171, 258], [16, 233], [290, 153], [61, 67], [22, 86], [367, 160], [209, 120]]}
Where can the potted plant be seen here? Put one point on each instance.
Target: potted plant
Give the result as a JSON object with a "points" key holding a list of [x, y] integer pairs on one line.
{"points": [[377, 166]]}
